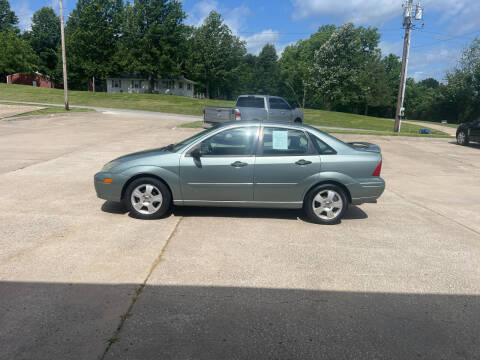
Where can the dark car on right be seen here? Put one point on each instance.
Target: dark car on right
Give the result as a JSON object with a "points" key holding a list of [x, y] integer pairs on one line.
{"points": [[468, 132]]}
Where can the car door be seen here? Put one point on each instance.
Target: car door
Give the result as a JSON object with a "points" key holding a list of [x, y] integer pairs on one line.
{"points": [[475, 131], [279, 110], [285, 165], [224, 170]]}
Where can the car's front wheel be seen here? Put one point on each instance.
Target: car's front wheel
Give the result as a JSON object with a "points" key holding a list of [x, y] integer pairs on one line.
{"points": [[148, 198], [462, 138], [326, 204]]}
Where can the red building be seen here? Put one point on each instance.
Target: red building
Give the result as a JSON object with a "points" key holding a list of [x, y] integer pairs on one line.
{"points": [[35, 79]]}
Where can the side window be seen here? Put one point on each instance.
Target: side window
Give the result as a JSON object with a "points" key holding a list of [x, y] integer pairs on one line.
{"points": [[240, 141], [276, 103], [322, 148], [280, 141]]}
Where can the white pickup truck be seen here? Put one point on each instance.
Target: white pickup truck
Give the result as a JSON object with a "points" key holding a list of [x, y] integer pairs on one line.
{"points": [[252, 107]]}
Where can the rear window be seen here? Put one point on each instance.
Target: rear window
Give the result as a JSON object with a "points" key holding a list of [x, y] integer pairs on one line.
{"points": [[250, 101]]}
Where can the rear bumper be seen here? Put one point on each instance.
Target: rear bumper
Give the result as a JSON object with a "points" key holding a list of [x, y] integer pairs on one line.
{"points": [[368, 191]]}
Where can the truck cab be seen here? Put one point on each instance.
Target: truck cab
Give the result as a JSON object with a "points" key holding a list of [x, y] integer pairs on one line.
{"points": [[253, 107]]}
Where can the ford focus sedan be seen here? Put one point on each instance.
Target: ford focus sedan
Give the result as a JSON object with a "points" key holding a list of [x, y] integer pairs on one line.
{"points": [[248, 164]]}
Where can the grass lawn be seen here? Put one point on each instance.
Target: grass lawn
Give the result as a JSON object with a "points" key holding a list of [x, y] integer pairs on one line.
{"points": [[47, 110], [437, 134], [190, 106], [151, 102]]}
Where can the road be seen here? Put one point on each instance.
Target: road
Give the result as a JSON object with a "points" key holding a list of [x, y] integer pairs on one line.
{"points": [[80, 279]]}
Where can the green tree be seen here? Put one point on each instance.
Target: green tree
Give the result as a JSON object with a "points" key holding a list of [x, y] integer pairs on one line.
{"points": [[44, 37], [339, 63], [92, 33], [17, 55], [463, 84], [393, 68], [218, 56], [154, 41], [295, 65], [267, 73], [8, 19], [374, 85]]}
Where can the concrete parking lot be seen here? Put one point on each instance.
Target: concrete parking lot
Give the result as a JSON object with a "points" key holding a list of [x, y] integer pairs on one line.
{"points": [[80, 279]]}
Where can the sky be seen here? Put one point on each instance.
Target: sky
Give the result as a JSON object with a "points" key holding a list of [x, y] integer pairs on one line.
{"points": [[448, 26]]}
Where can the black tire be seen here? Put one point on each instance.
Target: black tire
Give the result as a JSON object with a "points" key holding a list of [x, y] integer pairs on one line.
{"points": [[462, 138], [298, 121], [145, 212], [308, 204]]}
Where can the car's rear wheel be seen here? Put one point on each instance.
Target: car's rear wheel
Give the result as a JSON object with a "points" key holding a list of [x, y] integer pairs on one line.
{"points": [[148, 198], [326, 204], [462, 138]]}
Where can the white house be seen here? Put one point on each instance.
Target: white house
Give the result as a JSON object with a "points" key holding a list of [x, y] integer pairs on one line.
{"points": [[138, 84]]}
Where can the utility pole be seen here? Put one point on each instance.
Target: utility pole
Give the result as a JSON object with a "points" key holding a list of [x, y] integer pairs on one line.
{"points": [[408, 16], [64, 59]]}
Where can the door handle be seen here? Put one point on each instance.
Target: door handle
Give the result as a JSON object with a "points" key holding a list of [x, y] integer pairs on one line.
{"points": [[238, 164], [303, 162]]}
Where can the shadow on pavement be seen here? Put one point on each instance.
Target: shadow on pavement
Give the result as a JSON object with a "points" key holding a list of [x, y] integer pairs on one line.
{"points": [[471, 145], [74, 321], [353, 212]]}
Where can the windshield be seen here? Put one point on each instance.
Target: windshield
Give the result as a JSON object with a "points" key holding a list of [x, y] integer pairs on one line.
{"points": [[188, 141]]}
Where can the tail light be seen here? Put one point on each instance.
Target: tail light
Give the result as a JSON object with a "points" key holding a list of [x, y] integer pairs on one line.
{"points": [[378, 169], [238, 116]]}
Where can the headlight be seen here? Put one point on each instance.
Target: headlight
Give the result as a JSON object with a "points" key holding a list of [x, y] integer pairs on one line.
{"points": [[110, 165]]}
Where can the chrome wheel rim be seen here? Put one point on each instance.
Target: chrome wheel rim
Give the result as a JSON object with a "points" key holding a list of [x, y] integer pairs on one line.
{"points": [[146, 199], [461, 137], [327, 204]]}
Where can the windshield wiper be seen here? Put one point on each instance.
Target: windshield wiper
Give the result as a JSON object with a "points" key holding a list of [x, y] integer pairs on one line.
{"points": [[169, 147]]}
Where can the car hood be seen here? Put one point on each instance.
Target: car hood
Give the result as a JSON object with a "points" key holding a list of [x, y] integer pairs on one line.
{"points": [[142, 154]]}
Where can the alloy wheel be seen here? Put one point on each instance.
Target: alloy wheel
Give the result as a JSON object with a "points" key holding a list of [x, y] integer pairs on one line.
{"points": [[327, 204], [146, 199]]}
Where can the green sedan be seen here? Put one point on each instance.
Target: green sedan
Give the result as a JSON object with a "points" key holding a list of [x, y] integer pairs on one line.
{"points": [[248, 164]]}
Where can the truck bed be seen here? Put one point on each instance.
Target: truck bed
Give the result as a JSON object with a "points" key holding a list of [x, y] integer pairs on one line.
{"points": [[213, 115]]}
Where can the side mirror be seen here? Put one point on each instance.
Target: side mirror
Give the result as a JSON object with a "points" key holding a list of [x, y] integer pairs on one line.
{"points": [[196, 153]]}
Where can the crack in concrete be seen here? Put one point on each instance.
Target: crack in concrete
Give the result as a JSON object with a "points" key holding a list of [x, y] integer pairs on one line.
{"points": [[138, 292]]}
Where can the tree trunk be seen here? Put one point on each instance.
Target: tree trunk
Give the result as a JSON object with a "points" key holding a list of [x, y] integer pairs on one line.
{"points": [[366, 109], [150, 83], [304, 96]]}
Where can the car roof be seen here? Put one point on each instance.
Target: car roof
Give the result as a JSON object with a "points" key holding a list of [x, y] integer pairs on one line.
{"points": [[266, 123]]}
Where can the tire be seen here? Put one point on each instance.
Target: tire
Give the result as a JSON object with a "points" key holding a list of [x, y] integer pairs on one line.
{"points": [[462, 138], [330, 209], [148, 198]]}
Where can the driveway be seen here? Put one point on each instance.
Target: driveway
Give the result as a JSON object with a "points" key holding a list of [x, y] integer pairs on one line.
{"points": [[80, 279]]}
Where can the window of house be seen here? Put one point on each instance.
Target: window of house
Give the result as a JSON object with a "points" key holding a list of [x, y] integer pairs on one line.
{"points": [[180, 85], [136, 84], [282, 141], [116, 83], [239, 141], [189, 86]]}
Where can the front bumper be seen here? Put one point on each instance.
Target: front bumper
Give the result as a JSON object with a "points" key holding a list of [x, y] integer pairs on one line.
{"points": [[112, 191]]}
